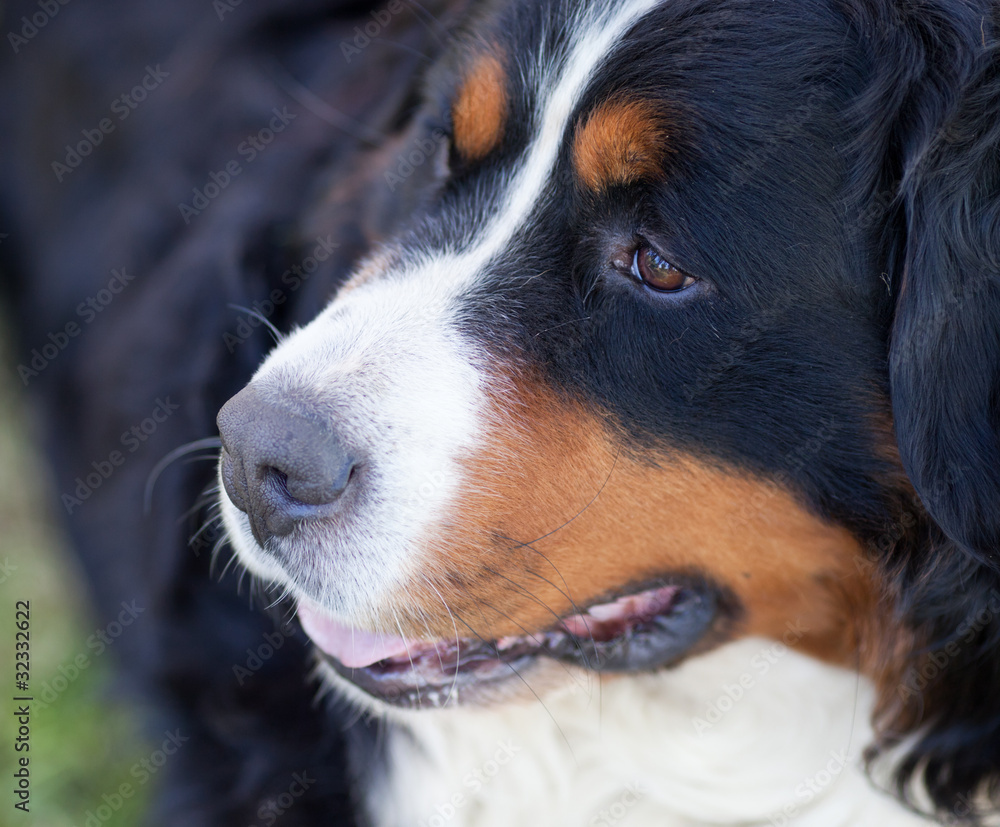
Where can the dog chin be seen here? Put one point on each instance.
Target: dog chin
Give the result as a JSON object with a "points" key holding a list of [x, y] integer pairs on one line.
{"points": [[540, 681]]}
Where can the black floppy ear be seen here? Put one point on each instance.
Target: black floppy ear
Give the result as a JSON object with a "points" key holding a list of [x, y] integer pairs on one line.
{"points": [[945, 348], [944, 374]]}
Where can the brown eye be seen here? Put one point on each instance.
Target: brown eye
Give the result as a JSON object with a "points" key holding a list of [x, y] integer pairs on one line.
{"points": [[653, 271]]}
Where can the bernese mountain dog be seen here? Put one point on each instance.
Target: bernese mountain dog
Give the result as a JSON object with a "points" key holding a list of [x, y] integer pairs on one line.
{"points": [[628, 450]]}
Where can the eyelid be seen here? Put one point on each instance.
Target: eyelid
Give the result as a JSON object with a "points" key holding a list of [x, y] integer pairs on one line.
{"points": [[657, 271]]}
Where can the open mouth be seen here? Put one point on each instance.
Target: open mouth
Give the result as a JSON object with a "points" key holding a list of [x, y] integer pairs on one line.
{"points": [[638, 631]]}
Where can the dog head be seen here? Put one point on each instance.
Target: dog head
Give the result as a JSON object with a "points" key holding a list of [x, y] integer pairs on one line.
{"points": [[692, 334]]}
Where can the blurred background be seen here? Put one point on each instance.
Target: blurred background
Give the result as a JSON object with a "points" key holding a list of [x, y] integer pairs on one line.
{"points": [[84, 740], [118, 122]]}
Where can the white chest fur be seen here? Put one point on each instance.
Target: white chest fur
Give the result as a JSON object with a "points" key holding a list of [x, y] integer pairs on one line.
{"points": [[751, 734]]}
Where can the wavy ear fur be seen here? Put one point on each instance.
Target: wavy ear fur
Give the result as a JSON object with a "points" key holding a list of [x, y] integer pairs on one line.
{"points": [[945, 354], [945, 391]]}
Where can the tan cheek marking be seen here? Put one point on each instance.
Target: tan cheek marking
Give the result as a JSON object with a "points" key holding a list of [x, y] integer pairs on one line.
{"points": [[621, 143], [479, 112], [542, 470]]}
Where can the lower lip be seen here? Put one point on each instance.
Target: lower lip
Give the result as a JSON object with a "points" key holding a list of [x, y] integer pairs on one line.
{"points": [[448, 674]]}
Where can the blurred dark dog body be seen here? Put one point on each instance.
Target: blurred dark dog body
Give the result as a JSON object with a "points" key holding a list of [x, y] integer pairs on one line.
{"points": [[118, 209], [831, 377]]}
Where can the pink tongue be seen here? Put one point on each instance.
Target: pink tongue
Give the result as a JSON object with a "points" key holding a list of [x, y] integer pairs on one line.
{"points": [[357, 648], [352, 647]]}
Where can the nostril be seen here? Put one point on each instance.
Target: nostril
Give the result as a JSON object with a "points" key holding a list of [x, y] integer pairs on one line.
{"points": [[276, 507], [273, 485], [283, 501], [322, 488], [280, 466], [277, 477]]}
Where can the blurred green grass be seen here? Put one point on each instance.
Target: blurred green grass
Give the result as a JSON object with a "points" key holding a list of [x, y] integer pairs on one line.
{"points": [[83, 743]]}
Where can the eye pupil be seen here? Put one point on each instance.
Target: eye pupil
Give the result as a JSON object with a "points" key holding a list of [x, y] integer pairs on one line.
{"points": [[655, 272]]}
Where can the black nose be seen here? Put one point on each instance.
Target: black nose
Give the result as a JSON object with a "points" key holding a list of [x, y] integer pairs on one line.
{"points": [[280, 466]]}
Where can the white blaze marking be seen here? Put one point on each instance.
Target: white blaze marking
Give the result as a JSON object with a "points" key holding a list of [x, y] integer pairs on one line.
{"points": [[388, 365], [601, 33]]}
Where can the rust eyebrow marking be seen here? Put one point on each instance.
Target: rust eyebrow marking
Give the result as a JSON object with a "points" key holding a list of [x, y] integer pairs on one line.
{"points": [[621, 142], [479, 113]]}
